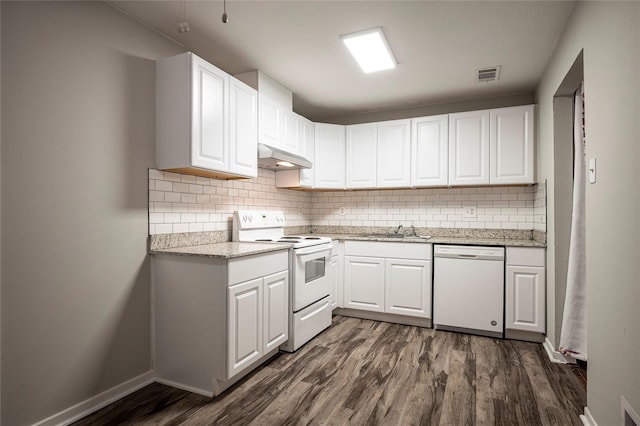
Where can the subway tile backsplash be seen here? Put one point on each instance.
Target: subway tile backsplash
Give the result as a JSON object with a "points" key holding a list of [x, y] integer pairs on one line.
{"points": [[495, 208], [183, 203]]}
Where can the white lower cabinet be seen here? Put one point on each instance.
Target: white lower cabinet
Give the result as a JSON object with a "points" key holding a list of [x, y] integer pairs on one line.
{"points": [[245, 324], [217, 319], [525, 292], [375, 282], [364, 283], [257, 319], [408, 287], [276, 314]]}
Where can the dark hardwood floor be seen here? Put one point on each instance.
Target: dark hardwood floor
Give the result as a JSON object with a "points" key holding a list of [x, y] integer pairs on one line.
{"points": [[368, 372]]}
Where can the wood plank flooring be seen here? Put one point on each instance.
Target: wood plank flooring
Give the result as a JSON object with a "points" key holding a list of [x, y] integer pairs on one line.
{"points": [[366, 372]]}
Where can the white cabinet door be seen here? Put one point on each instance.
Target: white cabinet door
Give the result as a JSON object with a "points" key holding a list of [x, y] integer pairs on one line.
{"points": [[511, 138], [243, 129], [244, 325], [469, 148], [525, 304], [408, 287], [276, 310], [364, 283], [361, 155], [209, 124], [394, 153], [430, 151], [307, 146], [270, 121], [329, 149], [291, 132]]}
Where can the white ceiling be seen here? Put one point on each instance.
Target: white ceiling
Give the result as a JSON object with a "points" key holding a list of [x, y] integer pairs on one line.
{"points": [[439, 45]]}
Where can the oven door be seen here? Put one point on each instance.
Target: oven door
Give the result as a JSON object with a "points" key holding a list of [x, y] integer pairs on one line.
{"points": [[311, 281]]}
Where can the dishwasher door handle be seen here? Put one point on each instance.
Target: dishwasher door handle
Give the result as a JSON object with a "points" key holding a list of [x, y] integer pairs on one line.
{"points": [[468, 256]]}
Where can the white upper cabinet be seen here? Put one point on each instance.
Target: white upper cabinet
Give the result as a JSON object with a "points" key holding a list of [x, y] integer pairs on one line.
{"points": [[394, 154], [270, 123], [469, 148], [291, 132], [301, 178], [361, 155], [329, 166], [430, 151], [194, 117], [307, 150], [243, 128], [512, 145], [209, 106], [277, 124]]}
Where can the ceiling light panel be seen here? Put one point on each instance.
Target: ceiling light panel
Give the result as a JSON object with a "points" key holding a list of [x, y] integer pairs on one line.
{"points": [[370, 49]]}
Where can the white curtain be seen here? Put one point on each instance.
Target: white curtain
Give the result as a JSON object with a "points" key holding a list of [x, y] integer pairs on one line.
{"points": [[573, 336]]}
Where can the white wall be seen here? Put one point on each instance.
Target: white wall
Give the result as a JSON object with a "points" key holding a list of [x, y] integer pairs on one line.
{"points": [[78, 102], [609, 34]]}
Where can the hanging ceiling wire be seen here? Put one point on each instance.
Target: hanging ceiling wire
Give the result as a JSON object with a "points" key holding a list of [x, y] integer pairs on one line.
{"points": [[225, 18], [183, 25]]}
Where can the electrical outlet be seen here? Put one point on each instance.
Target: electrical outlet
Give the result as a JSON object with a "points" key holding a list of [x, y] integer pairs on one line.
{"points": [[342, 212], [470, 213]]}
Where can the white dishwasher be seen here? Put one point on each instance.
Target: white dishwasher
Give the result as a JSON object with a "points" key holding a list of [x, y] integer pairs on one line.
{"points": [[468, 289]]}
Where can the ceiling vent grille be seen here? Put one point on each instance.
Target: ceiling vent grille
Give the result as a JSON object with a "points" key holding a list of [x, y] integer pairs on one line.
{"points": [[486, 75]]}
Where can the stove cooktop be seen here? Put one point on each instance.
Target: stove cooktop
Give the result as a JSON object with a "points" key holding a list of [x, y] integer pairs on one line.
{"points": [[296, 240]]}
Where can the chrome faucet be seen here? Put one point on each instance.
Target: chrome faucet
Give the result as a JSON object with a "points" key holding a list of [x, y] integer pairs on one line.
{"points": [[397, 230], [413, 231]]}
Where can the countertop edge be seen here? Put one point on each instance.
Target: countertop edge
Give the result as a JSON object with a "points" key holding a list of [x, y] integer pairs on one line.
{"points": [[225, 250], [507, 242]]}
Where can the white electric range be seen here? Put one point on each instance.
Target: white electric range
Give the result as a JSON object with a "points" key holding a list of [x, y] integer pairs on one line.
{"points": [[309, 260]]}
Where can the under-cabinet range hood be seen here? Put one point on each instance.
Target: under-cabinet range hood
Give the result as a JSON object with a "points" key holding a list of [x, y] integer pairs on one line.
{"points": [[277, 159]]}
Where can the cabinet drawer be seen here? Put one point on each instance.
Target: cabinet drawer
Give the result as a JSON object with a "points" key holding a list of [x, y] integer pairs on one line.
{"points": [[246, 268], [419, 251], [525, 256]]}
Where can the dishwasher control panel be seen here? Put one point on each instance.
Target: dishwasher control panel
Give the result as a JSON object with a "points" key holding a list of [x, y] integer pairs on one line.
{"points": [[469, 252]]}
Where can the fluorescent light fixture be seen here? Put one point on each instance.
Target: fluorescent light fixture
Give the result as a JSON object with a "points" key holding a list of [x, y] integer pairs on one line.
{"points": [[285, 164], [370, 49]]}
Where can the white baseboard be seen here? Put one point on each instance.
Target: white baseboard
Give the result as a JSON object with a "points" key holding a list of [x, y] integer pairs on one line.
{"points": [[627, 412], [587, 418], [99, 401], [554, 355]]}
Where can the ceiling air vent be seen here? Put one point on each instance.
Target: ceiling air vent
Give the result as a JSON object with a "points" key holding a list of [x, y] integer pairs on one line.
{"points": [[486, 75]]}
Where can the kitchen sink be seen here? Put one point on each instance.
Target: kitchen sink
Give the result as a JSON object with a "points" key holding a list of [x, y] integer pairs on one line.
{"points": [[396, 236]]}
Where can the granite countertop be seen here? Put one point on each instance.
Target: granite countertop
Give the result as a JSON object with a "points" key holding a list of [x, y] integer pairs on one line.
{"points": [[509, 242], [224, 250]]}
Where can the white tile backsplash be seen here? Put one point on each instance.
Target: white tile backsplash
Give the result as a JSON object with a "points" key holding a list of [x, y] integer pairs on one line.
{"points": [[183, 203], [496, 207]]}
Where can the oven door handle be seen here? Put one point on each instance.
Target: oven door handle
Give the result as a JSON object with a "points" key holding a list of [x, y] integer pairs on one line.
{"points": [[312, 250]]}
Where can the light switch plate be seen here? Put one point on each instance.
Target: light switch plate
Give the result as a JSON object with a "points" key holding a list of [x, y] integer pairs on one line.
{"points": [[592, 170]]}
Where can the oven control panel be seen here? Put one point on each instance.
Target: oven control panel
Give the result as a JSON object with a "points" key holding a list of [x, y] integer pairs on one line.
{"points": [[254, 219]]}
